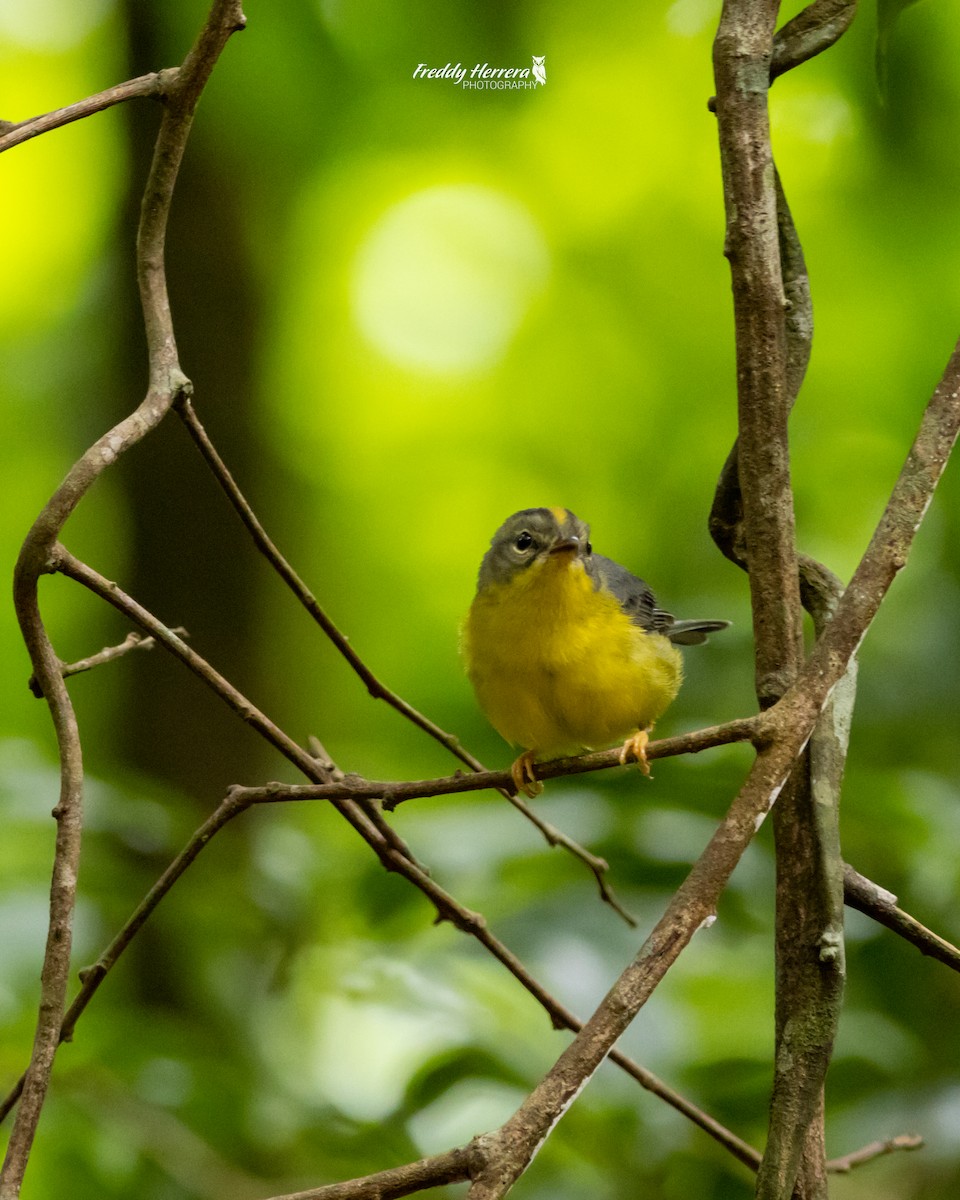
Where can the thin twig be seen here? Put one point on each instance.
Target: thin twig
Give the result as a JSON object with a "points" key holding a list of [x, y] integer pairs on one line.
{"points": [[395, 792], [453, 1166], [133, 641], [156, 85], [377, 689], [268, 549], [869, 898], [556, 837], [904, 1141]]}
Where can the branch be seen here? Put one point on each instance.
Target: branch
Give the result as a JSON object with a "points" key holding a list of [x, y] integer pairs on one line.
{"points": [[556, 837], [810, 957], [453, 1166], [263, 542], [464, 1162], [876, 902], [166, 381], [759, 532], [886, 555], [741, 58], [806, 35], [904, 1141], [692, 906], [156, 85], [395, 792], [364, 818], [133, 641]]}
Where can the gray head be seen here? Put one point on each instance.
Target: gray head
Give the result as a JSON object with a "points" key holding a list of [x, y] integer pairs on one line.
{"points": [[530, 536]]}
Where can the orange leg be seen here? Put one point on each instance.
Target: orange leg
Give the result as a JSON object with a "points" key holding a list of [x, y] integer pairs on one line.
{"points": [[523, 776], [636, 747]]}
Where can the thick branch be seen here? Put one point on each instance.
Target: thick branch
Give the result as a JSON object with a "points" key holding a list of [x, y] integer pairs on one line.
{"points": [[885, 556], [810, 947], [759, 532], [742, 52], [692, 906]]}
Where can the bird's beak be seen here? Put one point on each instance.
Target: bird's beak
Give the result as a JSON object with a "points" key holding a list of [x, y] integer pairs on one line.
{"points": [[569, 545]]}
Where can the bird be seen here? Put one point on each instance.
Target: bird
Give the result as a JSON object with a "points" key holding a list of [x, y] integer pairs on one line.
{"points": [[567, 650], [539, 68]]}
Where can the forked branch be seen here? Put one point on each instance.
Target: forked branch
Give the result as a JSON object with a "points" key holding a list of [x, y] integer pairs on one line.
{"points": [[166, 382]]}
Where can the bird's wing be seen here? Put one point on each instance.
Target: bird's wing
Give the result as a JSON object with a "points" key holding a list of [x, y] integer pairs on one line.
{"points": [[639, 603], [634, 596]]}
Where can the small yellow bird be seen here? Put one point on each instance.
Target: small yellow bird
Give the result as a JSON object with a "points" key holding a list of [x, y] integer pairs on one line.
{"points": [[566, 650]]}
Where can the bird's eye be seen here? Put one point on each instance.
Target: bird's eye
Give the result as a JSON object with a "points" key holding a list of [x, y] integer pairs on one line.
{"points": [[523, 541], [588, 548]]}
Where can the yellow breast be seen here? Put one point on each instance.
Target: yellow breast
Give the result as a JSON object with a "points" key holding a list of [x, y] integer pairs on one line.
{"points": [[558, 667]]}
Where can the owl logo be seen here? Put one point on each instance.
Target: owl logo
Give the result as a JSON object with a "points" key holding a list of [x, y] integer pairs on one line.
{"points": [[539, 70]]}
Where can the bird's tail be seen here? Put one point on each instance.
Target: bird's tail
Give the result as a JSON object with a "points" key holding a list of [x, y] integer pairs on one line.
{"points": [[692, 633]]}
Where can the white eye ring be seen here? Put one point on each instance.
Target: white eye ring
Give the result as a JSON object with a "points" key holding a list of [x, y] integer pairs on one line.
{"points": [[523, 541]]}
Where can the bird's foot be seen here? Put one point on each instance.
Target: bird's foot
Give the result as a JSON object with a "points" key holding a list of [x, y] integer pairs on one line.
{"points": [[636, 747], [523, 776]]}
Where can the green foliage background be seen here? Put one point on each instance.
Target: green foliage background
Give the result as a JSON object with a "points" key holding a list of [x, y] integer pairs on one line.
{"points": [[408, 310]]}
